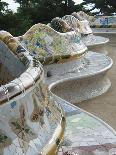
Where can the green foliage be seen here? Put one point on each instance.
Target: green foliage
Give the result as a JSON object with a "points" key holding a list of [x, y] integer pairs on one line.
{"points": [[14, 23], [3, 6], [106, 7], [35, 11], [45, 10], [31, 12]]}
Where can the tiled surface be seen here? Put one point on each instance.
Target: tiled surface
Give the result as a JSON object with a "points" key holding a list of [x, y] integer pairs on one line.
{"points": [[10, 61], [90, 64], [86, 135], [104, 106], [75, 83], [91, 40], [5, 75], [29, 116], [104, 21], [84, 29], [48, 45]]}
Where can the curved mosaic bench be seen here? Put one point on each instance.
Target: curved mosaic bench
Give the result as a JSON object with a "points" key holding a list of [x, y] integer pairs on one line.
{"points": [[94, 43], [84, 27], [60, 25], [86, 81], [83, 16], [50, 46], [88, 67], [84, 132], [31, 121]]}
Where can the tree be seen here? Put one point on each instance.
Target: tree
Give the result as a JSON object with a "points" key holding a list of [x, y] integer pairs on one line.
{"points": [[105, 7], [45, 10], [3, 6], [31, 12], [13, 22]]}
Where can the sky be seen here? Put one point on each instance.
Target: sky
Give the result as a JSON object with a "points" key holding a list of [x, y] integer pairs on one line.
{"points": [[13, 6]]}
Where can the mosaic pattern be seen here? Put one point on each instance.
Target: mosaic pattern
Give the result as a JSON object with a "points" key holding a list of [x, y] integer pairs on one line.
{"points": [[85, 20], [83, 16], [59, 25], [8, 75], [50, 46], [89, 40], [14, 46], [77, 16], [79, 25], [104, 22], [91, 64], [4, 140], [8, 65], [34, 123], [85, 134], [92, 40], [72, 22], [83, 27], [30, 118]]}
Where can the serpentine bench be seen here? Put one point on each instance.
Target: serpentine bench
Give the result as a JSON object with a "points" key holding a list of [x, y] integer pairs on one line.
{"points": [[85, 134], [94, 43], [80, 80], [50, 46], [83, 16], [87, 69], [32, 121]]}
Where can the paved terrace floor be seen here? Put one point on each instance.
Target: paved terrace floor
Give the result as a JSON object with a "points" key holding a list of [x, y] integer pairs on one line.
{"points": [[104, 106]]}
